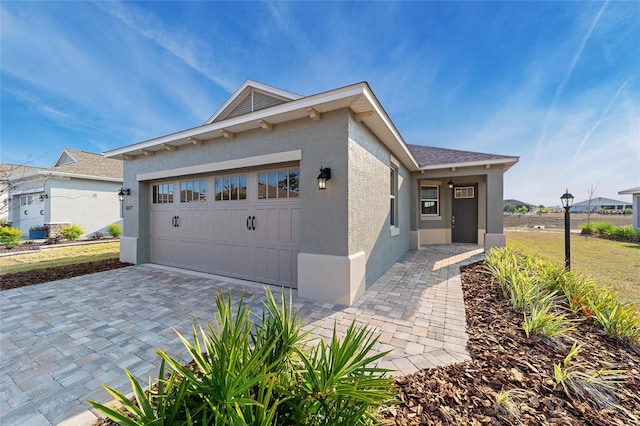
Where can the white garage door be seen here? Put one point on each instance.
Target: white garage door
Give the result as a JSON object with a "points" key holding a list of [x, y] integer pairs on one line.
{"points": [[243, 225]]}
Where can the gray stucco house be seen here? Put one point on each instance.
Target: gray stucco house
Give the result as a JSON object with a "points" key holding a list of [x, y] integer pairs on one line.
{"points": [[241, 195], [635, 194]]}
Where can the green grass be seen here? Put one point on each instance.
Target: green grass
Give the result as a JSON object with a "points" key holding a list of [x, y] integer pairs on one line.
{"points": [[59, 256], [610, 263]]}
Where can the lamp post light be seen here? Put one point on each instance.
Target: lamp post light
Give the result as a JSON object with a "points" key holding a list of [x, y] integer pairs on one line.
{"points": [[567, 202]]}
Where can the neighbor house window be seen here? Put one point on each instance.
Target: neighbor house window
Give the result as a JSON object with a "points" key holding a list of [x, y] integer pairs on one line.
{"points": [[279, 184], [429, 200], [163, 193], [193, 191], [393, 189], [231, 188]]}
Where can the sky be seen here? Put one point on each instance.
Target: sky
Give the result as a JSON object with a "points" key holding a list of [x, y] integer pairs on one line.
{"points": [[555, 83]]}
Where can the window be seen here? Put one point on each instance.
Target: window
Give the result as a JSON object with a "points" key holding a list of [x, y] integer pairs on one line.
{"points": [[429, 200], [231, 188], [393, 183], [464, 192], [163, 193], [27, 200], [278, 184], [193, 191]]}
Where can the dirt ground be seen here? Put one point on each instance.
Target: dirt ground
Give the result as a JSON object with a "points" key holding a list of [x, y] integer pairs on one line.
{"points": [[555, 221]]}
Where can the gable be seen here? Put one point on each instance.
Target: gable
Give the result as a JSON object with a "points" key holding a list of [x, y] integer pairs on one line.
{"points": [[64, 159], [250, 97]]}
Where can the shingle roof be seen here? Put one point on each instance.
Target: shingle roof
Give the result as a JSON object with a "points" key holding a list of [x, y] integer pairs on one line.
{"points": [[432, 156], [87, 163], [12, 170]]}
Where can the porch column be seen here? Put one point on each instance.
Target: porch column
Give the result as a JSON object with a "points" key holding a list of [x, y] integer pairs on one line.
{"points": [[495, 232]]}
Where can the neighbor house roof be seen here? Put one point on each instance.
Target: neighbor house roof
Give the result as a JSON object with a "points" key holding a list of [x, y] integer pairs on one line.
{"points": [[12, 170], [631, 191], [601, 201], [430, 157], [79, 164]]}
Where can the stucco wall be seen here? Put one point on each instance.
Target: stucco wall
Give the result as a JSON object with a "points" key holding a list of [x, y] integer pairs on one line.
{"points": [[323, 220], [369, 202]]}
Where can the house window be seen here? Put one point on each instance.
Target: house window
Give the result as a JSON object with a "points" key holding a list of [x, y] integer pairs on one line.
{"points": [[393, 190], [27, 200], [231, 188], [429, 200], [163, 193], [279, 184], [193, 191]]}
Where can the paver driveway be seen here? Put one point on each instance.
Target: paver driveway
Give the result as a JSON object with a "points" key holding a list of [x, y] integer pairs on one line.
{"points": [[60, 341]]}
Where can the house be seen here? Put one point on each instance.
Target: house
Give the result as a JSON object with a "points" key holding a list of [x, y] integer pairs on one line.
{"points": [[319, 193], [635, 193], [80, 188], [599, 203], [7, 172]]}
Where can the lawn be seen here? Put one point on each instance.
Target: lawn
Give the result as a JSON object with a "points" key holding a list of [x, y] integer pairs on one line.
{"points": [[59, 256], [609, 263]]}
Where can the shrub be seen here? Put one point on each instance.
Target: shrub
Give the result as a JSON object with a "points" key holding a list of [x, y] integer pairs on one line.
{"points": [[114, 230], [10, 237], [601, 228], [543, 320], [71, 232], [623, 233], [256, 369], [97, 236]]}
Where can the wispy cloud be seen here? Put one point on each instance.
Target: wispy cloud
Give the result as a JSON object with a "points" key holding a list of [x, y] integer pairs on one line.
{"points": [[189, 49], [567, 75]]}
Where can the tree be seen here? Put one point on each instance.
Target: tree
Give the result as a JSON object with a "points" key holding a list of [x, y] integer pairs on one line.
{"points": [[542, 209], [509, 208], [590, 192]]}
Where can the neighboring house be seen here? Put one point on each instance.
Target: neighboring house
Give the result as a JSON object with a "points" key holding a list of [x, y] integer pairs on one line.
{"points": [[80, 188], [519, 204], [7, 172], [599, 203], [635, 193], [241, 195]]}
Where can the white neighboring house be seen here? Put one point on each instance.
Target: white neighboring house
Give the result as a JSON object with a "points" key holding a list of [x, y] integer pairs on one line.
{"points": [[635, 193], [80, 188], [8, 172]]}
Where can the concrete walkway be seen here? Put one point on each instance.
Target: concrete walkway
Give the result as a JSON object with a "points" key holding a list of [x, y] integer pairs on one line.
{"points": [[60, 341]]}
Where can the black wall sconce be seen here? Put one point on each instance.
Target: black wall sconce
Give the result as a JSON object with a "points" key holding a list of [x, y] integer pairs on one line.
{"points": [[43, 197], [123, 192], [450, 184], [323, 177]]}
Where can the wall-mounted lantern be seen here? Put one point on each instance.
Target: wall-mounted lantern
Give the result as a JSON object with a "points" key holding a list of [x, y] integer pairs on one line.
{"points": [[450, 184], [43, 197], [323, 177], [123, 192]]}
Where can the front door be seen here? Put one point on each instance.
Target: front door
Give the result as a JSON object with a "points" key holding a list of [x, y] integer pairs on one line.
{"points": [[464, 219]]}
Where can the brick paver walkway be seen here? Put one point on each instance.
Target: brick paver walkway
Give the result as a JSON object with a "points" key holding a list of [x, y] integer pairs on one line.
{"points": [[59, 342]]}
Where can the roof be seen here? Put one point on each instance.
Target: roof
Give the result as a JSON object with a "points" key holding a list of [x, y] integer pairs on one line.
{"points": [[632, 191], [79, 164], [255, 105], [430, 157], [12, 170], [88, 164], [601, 201]]}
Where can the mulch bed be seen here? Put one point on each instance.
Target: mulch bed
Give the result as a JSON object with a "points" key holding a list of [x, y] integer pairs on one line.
{"points": [[38, 276], [503, 358]]}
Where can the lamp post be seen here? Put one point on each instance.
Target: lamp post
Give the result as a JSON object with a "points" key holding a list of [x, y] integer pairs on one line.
{"points": [[567, 202]]}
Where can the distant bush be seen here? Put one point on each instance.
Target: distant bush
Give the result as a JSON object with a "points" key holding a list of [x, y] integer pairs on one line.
{"points": [[623, 233], [114, 230], [598, 228], [10, 237], [71, 232]]}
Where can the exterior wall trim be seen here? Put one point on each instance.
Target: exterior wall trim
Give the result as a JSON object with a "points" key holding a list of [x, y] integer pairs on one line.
{"points": [[258, 160]]}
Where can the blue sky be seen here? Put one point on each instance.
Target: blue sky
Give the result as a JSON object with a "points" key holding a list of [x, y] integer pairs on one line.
{"points": [[556, 83]]}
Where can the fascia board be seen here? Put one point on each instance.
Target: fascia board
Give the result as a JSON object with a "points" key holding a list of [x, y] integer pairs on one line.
{"points": [[78, 176], [508, 161], [302, 103], [389, 124]]}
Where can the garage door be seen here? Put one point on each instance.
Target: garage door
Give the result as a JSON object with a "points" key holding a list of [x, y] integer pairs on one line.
{"points": [[243, 225]]}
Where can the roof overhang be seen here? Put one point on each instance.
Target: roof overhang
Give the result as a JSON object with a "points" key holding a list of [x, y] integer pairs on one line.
{"points": [[50, 174], [358, 97], [630, 191], [507, 163]]}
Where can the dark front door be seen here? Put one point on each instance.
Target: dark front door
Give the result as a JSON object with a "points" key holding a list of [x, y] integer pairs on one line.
{"points": [[464, 219]]}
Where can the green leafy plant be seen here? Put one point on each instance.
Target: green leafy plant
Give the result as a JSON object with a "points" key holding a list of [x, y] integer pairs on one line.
{"points": [[577, 384], [10, 237], [115, 230], [543, 320], [71, 232], [507, 402], [619, 319], [254, 369], [623, 233]]}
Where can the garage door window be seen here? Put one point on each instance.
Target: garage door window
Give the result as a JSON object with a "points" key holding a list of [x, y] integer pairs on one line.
{"points": [[278, 184], [230, 188], [163, 193], [193, 191]]}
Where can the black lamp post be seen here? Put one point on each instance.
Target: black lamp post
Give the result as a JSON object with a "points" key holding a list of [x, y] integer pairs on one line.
{"points": [[567, 202]]}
